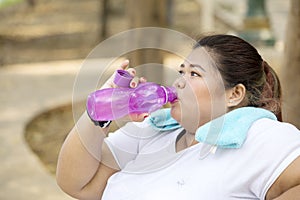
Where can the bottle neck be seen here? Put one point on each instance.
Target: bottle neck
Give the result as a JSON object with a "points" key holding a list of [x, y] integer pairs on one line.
{"points": [[171, 94]]}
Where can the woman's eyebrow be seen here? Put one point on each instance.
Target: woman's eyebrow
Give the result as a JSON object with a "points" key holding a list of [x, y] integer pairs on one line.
{"points": [[193, 66], [198, 66]]}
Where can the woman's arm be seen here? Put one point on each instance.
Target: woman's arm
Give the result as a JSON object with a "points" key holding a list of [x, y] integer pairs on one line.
{"points": [[291, 194], [79, 173], [287, 186], [85, 163]]}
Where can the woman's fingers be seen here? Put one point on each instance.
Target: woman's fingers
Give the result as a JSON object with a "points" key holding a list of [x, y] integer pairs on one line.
{"points": [[138, 117], [142, 80], [134, 117], [110, 82], [124, 64], [131, 71], [134, 82]]}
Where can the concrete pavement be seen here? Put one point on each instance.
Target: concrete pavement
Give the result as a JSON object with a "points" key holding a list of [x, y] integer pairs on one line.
{"points": [[27, 90]]}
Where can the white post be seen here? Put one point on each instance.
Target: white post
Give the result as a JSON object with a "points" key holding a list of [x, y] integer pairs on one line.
{"points": [[207, 18]]}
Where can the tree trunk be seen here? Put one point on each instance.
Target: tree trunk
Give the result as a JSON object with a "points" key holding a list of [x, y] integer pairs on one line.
{"points": [[291, 67], [103, 18], [31, 3], [148, 13]]}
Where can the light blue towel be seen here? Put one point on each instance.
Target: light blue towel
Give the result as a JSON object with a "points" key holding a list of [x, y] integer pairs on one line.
{"points": [[161, 120], [227, 131], [230, 130]]}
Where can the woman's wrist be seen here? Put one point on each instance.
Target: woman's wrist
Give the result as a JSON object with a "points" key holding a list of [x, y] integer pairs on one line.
{"points": [[90, 135], [101, 124]]}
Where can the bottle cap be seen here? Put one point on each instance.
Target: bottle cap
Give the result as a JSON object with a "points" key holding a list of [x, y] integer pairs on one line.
{"points": [[123, 78]]}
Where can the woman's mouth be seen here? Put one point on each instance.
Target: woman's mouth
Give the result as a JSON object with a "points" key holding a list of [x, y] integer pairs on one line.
{"points": [[174, 102]]}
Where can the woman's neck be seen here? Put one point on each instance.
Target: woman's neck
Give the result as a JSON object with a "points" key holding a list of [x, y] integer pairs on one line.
{"points": [[187, 140], [190, 139]]}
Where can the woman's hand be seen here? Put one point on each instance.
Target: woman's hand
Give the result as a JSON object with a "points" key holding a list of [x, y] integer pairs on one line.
{"points": [[134, 83]]}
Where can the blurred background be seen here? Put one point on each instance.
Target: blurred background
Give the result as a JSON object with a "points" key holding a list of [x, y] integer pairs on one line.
{"points": [[43, 44]]}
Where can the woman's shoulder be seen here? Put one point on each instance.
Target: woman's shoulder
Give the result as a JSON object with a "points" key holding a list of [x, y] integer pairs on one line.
{"points": [[272, 134], [265, 124]]}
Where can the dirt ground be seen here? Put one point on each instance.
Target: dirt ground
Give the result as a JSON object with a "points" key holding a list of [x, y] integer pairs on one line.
{"points": [[46, 133], [61, 30]]}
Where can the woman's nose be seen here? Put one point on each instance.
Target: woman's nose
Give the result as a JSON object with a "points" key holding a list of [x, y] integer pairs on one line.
{"points": [[180, 83]]}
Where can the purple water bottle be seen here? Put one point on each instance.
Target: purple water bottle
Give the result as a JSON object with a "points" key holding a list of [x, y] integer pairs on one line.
{"points": [[114, 103]]}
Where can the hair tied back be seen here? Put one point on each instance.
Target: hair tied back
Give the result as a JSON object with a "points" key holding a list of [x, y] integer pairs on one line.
{"points": [[271, 94]]}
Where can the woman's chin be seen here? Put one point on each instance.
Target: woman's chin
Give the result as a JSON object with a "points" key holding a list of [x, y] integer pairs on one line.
{"points": [[175, 113]]}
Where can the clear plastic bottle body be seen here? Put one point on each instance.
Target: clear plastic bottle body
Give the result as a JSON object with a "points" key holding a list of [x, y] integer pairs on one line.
{"points": [[108, 104], [114, 103], [147, 98]]}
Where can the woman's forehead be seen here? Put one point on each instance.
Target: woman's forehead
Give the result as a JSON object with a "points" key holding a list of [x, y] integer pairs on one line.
{"points": [[200, 57]]}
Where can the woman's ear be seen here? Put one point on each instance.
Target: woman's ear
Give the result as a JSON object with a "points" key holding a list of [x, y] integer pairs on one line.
{"points": [[236, 95]]}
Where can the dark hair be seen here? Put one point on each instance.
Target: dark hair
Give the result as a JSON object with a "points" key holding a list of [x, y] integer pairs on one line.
{"points": [[239, 62]]}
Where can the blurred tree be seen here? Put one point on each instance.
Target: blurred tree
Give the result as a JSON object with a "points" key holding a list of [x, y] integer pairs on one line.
{"points": [[148, 13], [104, 18], [291, 67], [31, 3]]}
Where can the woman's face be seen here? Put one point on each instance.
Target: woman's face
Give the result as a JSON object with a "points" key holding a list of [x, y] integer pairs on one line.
{"points": [[200, 89]]}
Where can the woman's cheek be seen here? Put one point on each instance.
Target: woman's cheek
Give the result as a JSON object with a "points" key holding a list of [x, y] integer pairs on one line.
{"points": [[176, 112]]}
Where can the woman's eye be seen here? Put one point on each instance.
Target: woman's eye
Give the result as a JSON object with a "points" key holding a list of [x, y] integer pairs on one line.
{"points": [[195, 74]]}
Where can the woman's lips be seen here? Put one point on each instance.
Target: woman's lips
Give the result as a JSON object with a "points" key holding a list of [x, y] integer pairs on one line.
{"points": [[174, 102]]}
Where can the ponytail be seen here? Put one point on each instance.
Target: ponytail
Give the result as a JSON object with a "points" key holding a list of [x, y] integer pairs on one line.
{"points": [[271, 94]]}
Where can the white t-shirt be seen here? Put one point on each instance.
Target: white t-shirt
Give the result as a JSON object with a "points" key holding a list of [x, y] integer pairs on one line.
{"points": [[151, 168]]}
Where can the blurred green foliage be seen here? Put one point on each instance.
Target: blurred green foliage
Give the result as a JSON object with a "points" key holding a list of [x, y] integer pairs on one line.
{"points": [[5, 3]]}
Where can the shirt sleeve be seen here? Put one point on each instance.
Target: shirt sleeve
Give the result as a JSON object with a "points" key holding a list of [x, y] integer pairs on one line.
{"points": [[125, 142], [276, 148]]}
